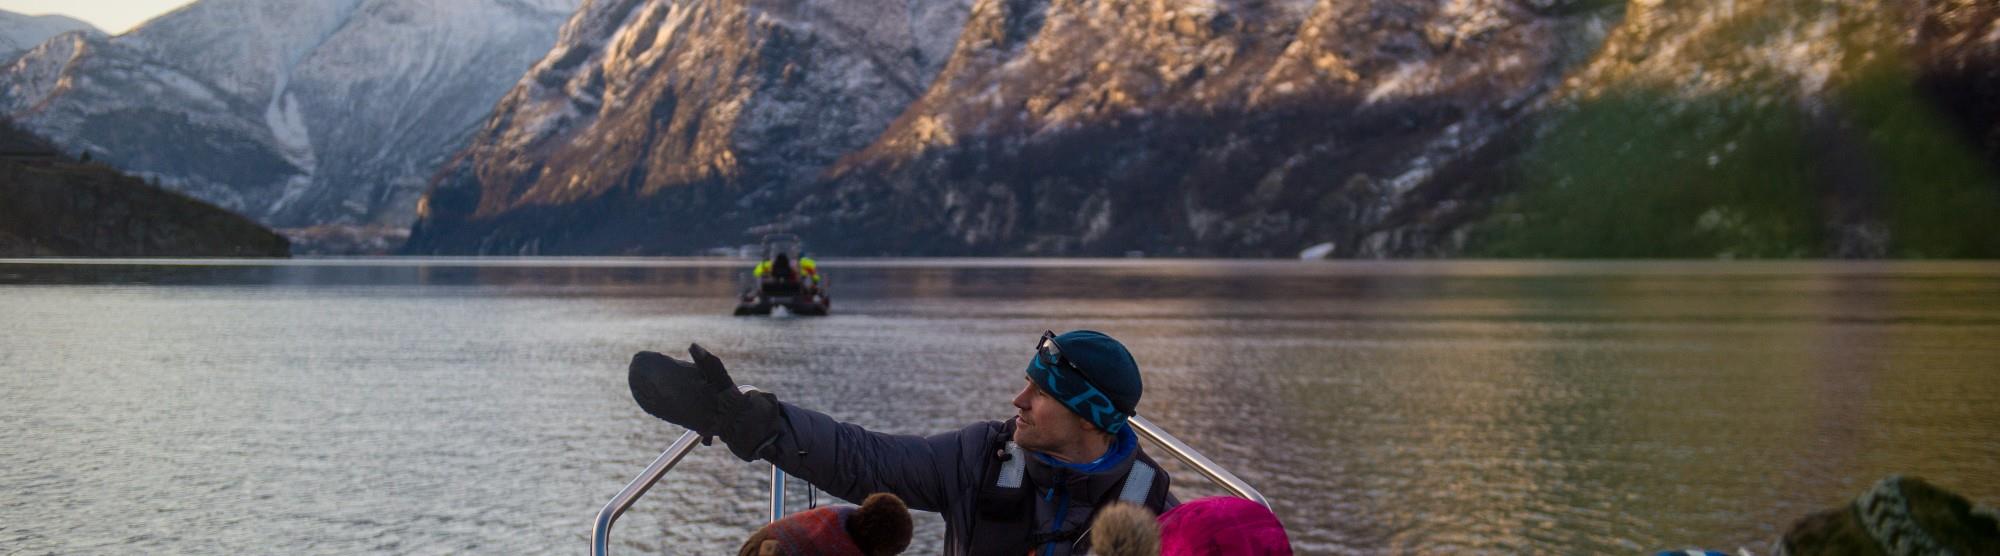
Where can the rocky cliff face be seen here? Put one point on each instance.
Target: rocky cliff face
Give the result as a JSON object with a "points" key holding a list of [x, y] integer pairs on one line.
{"points": [[294, 113], [656, 123], [51, 205], [1261, 127]]}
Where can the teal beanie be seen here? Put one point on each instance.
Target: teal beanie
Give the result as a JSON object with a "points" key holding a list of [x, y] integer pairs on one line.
{"points": [[1102, 365]]}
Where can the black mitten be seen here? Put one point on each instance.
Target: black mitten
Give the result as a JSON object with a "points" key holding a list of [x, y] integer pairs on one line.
{"points": [[674, 391], [702, 397], [748, 422]]}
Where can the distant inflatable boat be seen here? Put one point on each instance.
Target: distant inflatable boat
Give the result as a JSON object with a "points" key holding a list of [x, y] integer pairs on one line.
{"points": [[765, 299], [785, 279]]}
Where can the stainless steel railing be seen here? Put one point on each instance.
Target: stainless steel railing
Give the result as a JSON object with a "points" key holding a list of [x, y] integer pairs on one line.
{"points": [[1201, 464], [601, 535], [600, 543], [777, 493]]}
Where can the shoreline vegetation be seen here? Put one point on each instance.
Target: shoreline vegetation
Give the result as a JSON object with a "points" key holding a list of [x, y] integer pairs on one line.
{"points": [[54, 206]]}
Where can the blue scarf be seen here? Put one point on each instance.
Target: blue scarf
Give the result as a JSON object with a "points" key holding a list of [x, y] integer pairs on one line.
{"points": [[1121, 449]]}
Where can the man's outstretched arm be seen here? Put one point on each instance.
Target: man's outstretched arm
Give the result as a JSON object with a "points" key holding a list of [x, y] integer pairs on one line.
{"points": [[851, 462], [841, 458]]}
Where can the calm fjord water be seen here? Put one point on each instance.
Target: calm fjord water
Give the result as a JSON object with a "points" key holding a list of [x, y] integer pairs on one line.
{"points": [[421, 407]]}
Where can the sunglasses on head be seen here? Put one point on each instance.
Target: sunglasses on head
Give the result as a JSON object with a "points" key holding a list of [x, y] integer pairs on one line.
{"points": [[1047, 348], [1068, 385]]}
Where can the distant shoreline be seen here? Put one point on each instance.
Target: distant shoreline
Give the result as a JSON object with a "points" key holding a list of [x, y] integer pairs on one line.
{"points": [[1466, 267]]}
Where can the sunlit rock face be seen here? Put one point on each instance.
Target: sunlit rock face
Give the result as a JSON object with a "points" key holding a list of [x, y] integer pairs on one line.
{"points": [[658, 126], [295, 113]]}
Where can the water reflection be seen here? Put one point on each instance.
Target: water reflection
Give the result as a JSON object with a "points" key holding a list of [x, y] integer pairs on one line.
{"points": [[453, 406]]}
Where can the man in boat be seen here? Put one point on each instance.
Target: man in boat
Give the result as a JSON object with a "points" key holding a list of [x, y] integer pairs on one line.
{"points": [[810, 268], [778, 268], [1027, 485]]}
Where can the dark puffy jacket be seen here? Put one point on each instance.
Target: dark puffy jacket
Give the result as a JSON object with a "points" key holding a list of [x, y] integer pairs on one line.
{"points": [[945, 473]]}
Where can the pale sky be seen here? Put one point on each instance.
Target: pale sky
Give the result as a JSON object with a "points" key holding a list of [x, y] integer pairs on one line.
{"points": [[110, 16]]}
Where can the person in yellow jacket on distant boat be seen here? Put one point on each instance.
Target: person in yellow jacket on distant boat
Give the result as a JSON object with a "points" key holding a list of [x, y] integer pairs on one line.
{"points": [[807, 267]]}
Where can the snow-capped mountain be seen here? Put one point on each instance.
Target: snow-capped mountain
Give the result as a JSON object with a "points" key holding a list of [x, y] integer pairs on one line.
{"points": [[296, 113], [673, 113], [19, 32]]}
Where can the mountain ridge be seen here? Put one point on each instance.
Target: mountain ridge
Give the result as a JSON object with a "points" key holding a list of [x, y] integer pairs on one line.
{"points": [[298, 114], [55, 206], [20, 32]]}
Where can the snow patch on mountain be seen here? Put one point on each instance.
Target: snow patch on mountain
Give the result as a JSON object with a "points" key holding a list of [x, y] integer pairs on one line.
{"points": [[184, 87], [288, 127]]}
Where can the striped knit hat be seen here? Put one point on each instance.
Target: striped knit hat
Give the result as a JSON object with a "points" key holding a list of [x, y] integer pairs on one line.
{"points": [[1899, 516]]}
